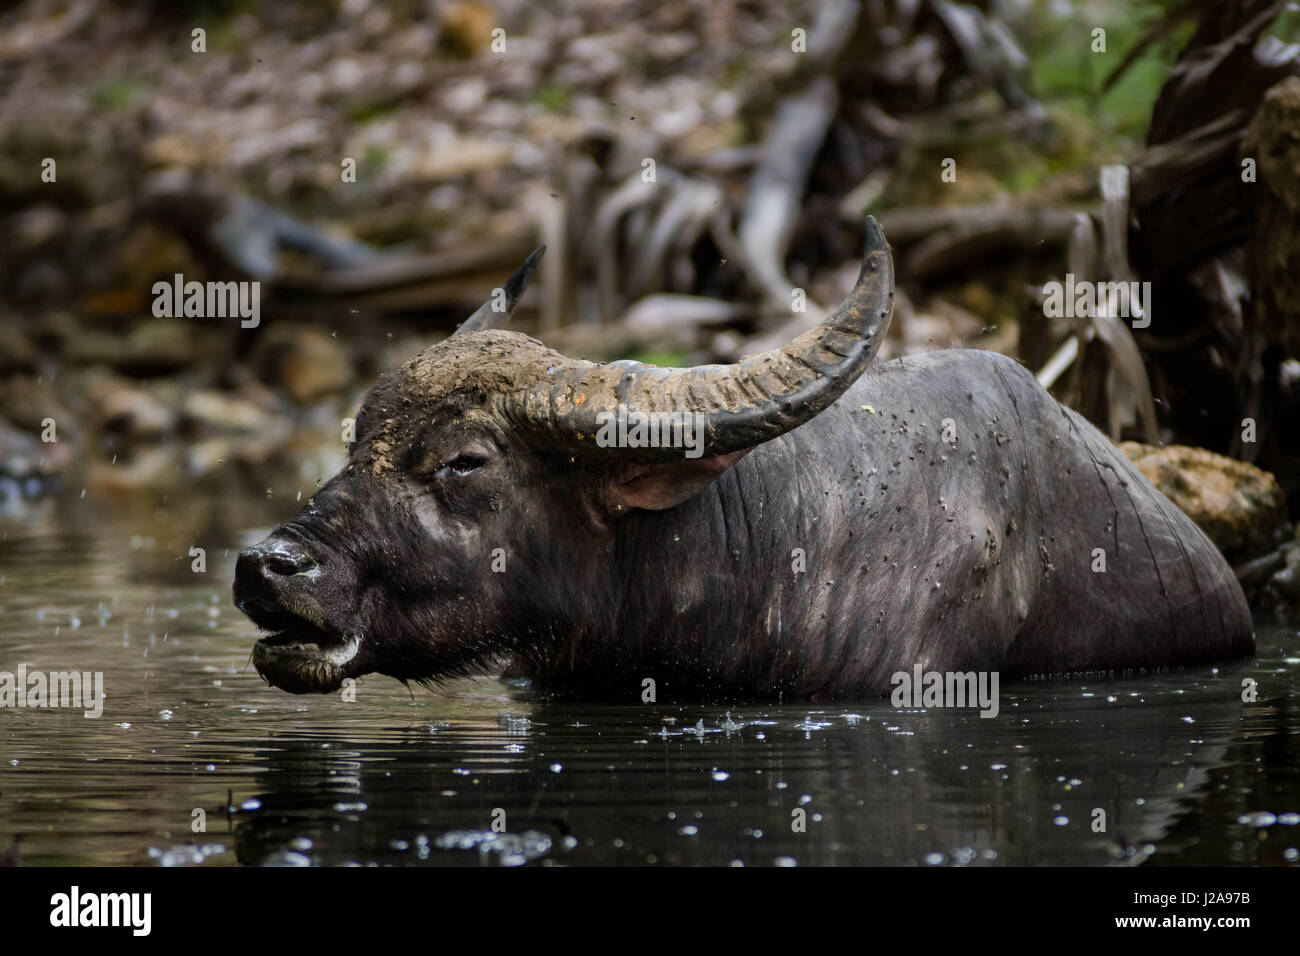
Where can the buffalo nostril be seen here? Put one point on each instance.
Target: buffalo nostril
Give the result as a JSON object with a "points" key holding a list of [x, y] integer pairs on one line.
{"points": [[262, 574], [271, 560]]}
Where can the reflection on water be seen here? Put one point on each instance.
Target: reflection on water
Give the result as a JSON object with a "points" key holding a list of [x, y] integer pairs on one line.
{"points": [[481, 773]]}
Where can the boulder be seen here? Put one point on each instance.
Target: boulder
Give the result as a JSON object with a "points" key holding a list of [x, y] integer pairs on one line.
{"points": [[304, 361], [1240, 507], [153, 346], [24, 456]]}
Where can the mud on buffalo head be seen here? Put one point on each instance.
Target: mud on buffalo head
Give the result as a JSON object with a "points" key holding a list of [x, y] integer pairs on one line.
{"points": [[491, 453]]}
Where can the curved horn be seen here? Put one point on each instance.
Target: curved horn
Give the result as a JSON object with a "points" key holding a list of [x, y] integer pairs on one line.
{"points": [[485, 316], [752, 401]]}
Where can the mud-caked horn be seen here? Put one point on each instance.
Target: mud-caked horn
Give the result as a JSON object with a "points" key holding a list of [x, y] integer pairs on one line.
{"points": [[744, 404]]}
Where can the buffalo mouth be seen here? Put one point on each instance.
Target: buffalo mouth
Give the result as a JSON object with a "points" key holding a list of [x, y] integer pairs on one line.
{"points": [[304, 658]]}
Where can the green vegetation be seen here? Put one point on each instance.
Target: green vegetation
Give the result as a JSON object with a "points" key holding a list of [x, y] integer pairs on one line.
{"points": [[371, 112], [1085, 127], [373, 161], [667, 358], [116, 94], [1067, 72], [553, 97]]}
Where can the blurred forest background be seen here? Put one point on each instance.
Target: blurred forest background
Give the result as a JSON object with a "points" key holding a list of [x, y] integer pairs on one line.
{"points": [[695, 167]]}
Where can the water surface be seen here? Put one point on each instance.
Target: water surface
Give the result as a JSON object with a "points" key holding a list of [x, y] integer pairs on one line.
{"points": [[480, 772]]}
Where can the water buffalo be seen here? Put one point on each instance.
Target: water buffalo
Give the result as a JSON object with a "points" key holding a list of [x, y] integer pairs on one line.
{"points": [[825, 529]]}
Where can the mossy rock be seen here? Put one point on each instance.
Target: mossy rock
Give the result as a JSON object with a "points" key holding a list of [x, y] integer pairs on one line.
{"points": [[1241, 508]]}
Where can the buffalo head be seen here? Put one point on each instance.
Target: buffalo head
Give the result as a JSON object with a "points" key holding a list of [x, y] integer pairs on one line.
{"points": [[491, 453]]}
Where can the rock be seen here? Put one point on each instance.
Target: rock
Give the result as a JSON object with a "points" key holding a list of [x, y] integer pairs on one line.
{"points": [[209, 455], [89, 347], [127, 414], [1240, 507], [211, 412], [17, 354], [30, 402], [29, 465], [27, 460], [148, 254], [37, 225], [465, 29], [155, 467], [306, 362], [157, 346], [246, 426], [152, 347]]}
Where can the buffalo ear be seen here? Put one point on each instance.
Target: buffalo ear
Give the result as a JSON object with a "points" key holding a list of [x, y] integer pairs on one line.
{"points": [[660, 486]]}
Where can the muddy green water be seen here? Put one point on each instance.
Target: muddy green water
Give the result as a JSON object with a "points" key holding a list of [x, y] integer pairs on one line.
{"points": [[1184, 771]]}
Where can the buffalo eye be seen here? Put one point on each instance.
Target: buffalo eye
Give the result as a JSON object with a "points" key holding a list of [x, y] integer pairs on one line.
{"points": [[463, 464]]}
